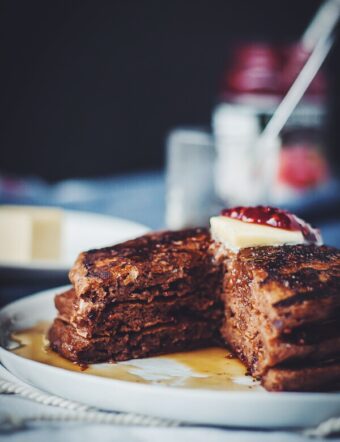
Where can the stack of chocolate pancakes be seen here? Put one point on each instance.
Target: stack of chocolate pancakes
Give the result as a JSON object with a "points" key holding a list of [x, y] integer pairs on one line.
{"points": [[276, 307], [282, 314], [152, 295]]}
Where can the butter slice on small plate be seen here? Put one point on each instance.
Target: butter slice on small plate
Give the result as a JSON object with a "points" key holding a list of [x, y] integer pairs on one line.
{"points": [[49, 239], [29, 233]]}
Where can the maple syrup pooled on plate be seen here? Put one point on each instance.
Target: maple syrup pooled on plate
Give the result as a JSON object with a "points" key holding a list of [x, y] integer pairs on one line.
{"points": [[209, 368]]}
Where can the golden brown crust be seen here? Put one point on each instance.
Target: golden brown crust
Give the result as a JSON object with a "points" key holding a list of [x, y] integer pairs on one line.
{"points": [[302, 272], [151, 260], [295, 284]]}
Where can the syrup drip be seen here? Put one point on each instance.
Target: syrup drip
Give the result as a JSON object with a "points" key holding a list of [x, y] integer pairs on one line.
{"points": [[212, 368]]}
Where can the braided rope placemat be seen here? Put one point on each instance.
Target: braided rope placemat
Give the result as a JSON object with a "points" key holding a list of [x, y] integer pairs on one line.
{"points": [[73, 411], [77, 412]]}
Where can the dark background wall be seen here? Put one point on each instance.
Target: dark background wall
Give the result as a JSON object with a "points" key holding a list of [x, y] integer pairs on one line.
{"points": [[92, 87]]}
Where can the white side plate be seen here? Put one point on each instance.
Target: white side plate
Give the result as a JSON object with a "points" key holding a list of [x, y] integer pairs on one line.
{"points": [[83, 231]]}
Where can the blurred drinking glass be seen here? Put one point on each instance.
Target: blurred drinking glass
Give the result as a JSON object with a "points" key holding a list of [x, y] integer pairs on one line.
{"points": [[190, 197]]}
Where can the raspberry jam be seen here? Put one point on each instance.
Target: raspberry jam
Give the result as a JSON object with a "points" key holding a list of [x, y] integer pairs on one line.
{"points": [[274, 217]]}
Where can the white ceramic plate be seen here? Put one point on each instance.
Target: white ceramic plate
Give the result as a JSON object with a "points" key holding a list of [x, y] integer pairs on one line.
{"points": [[82, 231], [255, 408]]}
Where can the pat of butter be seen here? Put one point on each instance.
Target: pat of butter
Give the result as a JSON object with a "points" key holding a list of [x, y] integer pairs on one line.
{"points": [[30, 233], [235, 234]]}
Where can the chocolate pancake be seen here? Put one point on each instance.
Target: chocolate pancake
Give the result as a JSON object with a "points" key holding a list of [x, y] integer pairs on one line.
{"points": [[307, 377], [185, 334], [133, 316], [280, 306], [156, 260]]}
